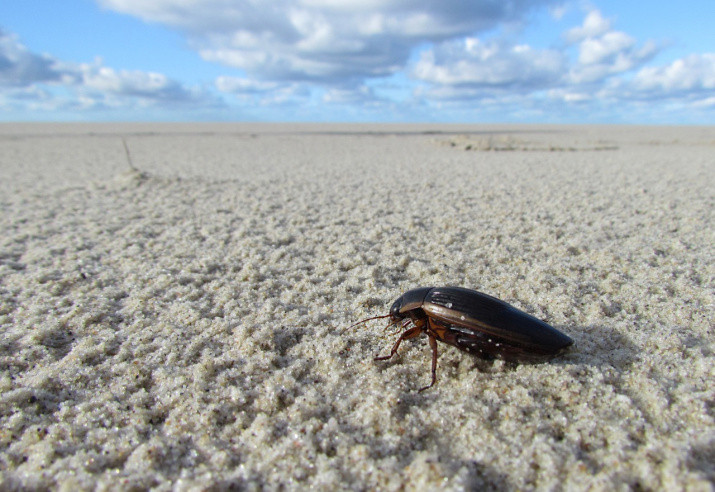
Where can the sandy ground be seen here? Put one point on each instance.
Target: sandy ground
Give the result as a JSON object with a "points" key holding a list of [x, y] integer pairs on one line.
{"points": [[175, 321]]}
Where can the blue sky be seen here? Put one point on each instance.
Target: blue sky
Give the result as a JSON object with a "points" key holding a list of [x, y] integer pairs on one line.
{"points": [[532, 61]]}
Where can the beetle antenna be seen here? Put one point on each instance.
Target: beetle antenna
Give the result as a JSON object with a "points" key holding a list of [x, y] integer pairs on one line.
{"points": [[366, 319]]}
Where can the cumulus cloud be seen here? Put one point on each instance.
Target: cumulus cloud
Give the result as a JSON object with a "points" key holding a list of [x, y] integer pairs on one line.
{"points": [[263, 93], [381, 55], [328, 41], [474, 68], [21, 68], [243, 85], [603, 52], [687, 83], [692, 74], [132, 83], [40, 81], [473, 63], [594, 25], [350, 95]]}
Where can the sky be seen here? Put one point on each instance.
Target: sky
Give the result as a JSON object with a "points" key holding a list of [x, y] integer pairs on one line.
{"points": [[460, 61]]}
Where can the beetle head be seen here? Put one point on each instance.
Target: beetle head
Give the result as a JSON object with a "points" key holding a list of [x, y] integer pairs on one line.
{"points": [[400, 309], [409, 301], [395, 313]]}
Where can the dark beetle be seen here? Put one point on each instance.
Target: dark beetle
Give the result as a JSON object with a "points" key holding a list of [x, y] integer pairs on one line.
{"points": [[474, 322]]}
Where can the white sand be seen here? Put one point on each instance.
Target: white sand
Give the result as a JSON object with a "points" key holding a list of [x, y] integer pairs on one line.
{"points": [[176, 325]]}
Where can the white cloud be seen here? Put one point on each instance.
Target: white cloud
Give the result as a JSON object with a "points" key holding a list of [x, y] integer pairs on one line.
{"points": [[470, 62], [594, 25], [397, 56], [131, 83], [576, 97], [21, 68], [242, 85], [289, 49], [476, 68], [264, 93], [558, 11], [328, 41], [349, 95], [601, 49], [599, 69], [686, 85], [41, 82], [603, 52], [694, 73]]}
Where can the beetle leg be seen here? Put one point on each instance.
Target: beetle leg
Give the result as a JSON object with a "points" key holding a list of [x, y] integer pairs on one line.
{"points": [[398, 328], [433, 344], [411, 333]]}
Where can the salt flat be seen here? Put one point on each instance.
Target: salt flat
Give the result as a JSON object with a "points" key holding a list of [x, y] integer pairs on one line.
{"points": [[172, 316]]}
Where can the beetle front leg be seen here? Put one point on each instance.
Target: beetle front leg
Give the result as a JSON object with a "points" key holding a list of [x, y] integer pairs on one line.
{"points": [[433, 344], [411, 333]]}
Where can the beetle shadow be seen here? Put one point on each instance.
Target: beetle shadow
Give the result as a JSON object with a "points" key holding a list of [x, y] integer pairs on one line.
{"points": [[595, 346], [598, 346]]}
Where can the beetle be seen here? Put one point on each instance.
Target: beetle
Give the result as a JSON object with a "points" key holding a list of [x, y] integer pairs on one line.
{"points": [[473, 322]]}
